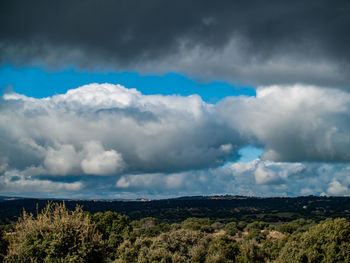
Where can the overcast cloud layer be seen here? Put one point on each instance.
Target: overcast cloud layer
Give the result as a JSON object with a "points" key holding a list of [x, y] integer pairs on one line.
{"points": [[281, 42], [106, 137]]}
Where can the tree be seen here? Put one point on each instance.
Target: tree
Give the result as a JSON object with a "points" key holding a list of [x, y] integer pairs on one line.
{"points": [[177, 246], [3, 243], [222, 249], [328, 242], [55, 235], [298, 225], [149, 227], [133, 252], [250, 252], [231, 228], [197, 224], [115, 228]]}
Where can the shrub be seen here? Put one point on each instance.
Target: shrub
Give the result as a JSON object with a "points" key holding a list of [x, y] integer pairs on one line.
{"points": [[231, 228], [55, 235], [197, 224], [250, 251], [133, 252], [328, 241], [241, 225], [217, 226], [177, 246], [222, 249], [149, 227], [298, 225], [114, 228], [3, 244], [257, 225], [181, 242]]}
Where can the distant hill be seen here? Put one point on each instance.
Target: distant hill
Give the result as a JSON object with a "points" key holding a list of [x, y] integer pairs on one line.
{"points": [[224, 208], [10, 198]]}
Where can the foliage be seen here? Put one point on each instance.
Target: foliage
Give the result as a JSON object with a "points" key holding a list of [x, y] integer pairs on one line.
{"points": [[217, 226], [219, 208], [298, 225], [59, 235], [231, 228], [328, 241], [149, 227], [256, 235], [258, 225], [251, 252], [256, 231], [272, 248], [114, 229], [174, 246], [197, 224], [3, 243], [241, 225], [222, 249], [133, 252], [55, 235]]}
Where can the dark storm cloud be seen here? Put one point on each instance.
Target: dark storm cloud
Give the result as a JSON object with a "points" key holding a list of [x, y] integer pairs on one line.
{"points": [[123, 29], [278, 42]]}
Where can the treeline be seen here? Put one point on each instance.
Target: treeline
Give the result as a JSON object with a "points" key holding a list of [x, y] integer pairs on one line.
{"points": [[238, 208], [57, 234]]}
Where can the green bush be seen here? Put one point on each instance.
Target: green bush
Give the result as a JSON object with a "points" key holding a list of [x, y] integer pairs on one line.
{"points": [[250, 251], [328, 242], [241, 225], [256, 234], [55, 235], [298, 225], [197, 224], [173, 247], [181, 242], [231, 228], [114, 228], [3, 244], [149, 227], [133, 252], [222, 249], [257, 225], [272, 247]]}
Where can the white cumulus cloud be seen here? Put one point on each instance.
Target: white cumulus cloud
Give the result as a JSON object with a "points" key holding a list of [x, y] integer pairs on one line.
{"points": [[111, 138], [100, 162]]}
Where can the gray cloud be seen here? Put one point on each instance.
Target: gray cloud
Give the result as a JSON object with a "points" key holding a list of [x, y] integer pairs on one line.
{"points": [[295, 123], [243, 178], [252, 42], [256, 178], [19, 183]]}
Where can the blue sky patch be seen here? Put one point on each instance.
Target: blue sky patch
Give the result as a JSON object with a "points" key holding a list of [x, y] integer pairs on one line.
{"points": [[250, 153], [39, 83]]}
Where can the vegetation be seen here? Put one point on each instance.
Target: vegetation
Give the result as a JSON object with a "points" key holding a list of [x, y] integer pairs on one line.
{"points": [[60, 235], [216, 208], [55, 235], [328, 241]]}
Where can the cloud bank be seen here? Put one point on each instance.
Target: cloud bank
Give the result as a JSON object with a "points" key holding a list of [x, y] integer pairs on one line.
{"points": [[255, 178], [116, 140], [251, 42], [295, 123], [108, 129]]}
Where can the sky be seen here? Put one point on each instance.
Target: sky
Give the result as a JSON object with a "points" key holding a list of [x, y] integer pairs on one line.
{"points": [[155, 99]]}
